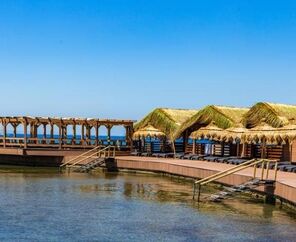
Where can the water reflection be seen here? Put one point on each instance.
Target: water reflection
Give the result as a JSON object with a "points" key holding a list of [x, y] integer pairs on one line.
{"points": [[128, 207]]}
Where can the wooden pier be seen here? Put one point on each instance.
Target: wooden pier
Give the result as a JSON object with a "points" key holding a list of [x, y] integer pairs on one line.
{"points": [[58, 137]]}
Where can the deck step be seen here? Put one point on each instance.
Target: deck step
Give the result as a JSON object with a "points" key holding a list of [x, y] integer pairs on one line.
{"points": [[91, 165], [229, 191]]}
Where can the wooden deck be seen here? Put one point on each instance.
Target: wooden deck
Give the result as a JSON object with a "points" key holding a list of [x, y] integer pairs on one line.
{"points": [[285, 184]]}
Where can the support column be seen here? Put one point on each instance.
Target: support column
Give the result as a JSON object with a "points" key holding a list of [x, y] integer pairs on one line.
{"points": [[97, 134], [14, 130], [193, 146], [44, 131], [263, 150], [109, 127], [4, 133], [74, 134], [51, 133], [82, 134], [65, 134], [88, 134], [185, 140], [25, 134], [60, 136]]}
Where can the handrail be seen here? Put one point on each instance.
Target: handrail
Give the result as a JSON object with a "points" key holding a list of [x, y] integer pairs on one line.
{"points": [[83, 154], [222, 172]]}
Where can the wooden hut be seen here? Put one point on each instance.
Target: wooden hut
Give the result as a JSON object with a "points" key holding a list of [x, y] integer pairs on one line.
{"points": [[221, 116], [165, 120]]}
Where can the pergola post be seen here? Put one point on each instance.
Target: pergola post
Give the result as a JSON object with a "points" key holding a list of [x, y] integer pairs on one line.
{"points": [[60, 136], [4, 133], [88, 134], [65, 134], [51, 131], [82, 134], [109, 127], [44, 131], [97, 133], [74, 134], [25, 133], [14, 129]]}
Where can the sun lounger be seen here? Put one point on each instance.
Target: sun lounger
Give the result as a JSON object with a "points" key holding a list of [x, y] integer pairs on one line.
{"points": [[211, 158], [197, 157], [155, 154], [179, 155], [146, 154], [136, 153], [188, 156]]}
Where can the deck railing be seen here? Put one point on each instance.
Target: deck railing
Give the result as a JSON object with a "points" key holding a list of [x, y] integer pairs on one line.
{"points": [[65, 143]]}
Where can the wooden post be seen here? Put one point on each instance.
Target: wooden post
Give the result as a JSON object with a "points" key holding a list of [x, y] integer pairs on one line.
{"points": [[52, 141], [82, 134], [4, 133], [25, 133], [263, 150], [194, 146], [185, 141], [222, 148], [237, 148], [14, 130], [109, 127], [74, 134], [65, 134], [44, 131], [60, 136], [88, 134], [97, 133], [243, 154]]}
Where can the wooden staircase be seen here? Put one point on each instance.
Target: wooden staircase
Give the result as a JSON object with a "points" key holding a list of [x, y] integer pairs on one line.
{"points": [[90, 160], [263, 179]]}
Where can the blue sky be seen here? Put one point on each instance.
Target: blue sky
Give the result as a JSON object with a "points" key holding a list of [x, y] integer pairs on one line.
{"points": [[122, 58]]}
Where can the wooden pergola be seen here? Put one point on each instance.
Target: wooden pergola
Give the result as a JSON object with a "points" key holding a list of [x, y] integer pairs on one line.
{"points": [[31, 138]]}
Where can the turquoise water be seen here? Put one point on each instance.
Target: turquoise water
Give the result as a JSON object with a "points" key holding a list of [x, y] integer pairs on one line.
{"points": [[44, 205]]}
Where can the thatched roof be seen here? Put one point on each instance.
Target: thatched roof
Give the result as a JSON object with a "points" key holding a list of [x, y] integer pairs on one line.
{"points": [[276, 115], [148, 131], [259, 134], [266, 133], [165, 119], [223, 117], [210, 131]]}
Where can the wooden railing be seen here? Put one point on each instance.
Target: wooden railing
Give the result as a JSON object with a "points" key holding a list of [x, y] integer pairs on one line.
{"points": [[16, 142]]}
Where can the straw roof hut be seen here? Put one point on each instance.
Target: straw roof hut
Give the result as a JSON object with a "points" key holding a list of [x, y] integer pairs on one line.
{"points": [[148, 131], [223, 117], [165, 120], [276, 115]]}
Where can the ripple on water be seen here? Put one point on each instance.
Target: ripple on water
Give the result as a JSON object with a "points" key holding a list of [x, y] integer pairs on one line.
{"points": [[44, 205]]}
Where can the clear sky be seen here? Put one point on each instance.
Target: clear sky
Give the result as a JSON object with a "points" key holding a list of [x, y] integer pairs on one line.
{"points": [[122, 58]]}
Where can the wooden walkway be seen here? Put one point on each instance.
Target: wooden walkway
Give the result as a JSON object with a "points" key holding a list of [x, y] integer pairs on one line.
{"points": [[285, 185]]}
